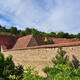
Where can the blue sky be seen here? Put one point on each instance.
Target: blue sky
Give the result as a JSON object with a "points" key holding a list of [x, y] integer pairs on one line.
{"points": [[44, 15]]}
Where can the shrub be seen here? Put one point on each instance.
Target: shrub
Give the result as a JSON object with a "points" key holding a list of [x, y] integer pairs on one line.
{"points": [[48, 42], [62, 69], [30, 74], [8, 70]]}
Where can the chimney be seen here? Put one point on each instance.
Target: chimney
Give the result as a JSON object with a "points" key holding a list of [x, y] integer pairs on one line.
{"points": [[3, 47]]}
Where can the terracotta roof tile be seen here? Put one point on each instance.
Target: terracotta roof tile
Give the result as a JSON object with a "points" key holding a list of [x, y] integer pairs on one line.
{"points": [[22, 42], [58, 45], [63, 40], [50, 46], [39, 40]]}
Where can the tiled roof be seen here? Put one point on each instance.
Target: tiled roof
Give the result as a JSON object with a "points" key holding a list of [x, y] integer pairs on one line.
{"points": [[57, 45], [63, 40], [39, 40], [51, 46], [14, 42], [22, 42], [8, 41]]}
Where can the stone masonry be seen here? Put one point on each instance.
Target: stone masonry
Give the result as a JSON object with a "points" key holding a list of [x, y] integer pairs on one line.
{"points": [[40, 58]]}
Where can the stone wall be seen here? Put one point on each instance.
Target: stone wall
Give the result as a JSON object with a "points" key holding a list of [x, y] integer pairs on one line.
{"points": [[40, 58]]}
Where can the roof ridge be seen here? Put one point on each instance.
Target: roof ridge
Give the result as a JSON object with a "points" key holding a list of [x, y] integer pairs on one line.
{"points": [[25, 36]]}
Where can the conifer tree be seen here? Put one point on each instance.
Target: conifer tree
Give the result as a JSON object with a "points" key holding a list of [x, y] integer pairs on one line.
{"points": [[8, 70], [61, 57]]}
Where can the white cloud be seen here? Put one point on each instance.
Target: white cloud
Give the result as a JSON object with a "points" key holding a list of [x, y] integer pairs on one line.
{"points": [[45, 15], [65, 17]]}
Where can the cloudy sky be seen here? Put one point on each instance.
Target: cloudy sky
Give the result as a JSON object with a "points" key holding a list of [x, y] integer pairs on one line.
{"points": [[44, 15]]}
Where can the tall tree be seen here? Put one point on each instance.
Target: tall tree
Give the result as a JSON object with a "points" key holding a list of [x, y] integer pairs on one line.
{"points": [[13, 30]]}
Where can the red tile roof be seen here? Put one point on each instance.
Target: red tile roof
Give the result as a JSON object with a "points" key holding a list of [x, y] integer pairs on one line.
{"points": [[8, 41], [63, 40], [14, 42], [51, 46], [39, 40], [57, 45], [22, 42]]}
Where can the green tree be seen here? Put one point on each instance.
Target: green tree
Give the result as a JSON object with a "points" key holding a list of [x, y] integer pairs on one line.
{"points": [[63, 35], [63, 69], [34, 32], [13, 30], [60, 34], [78, 35], [52, 34], [72, 36], [3, 29], [22, 33], [8, 70], [60, 58], [28, 31]]}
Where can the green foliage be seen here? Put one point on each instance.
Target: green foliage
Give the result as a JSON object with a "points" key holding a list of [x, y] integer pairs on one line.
{"points": [[30, 74], [13, 30], [75, 62], [22, 33], [8, 70], [63, 69], [28, 31], [52, 34], [48, 42], [60, 58], [63, 35], [3, 29], [78, 35]]}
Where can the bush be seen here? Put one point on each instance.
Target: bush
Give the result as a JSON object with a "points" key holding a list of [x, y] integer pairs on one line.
{"points": [[62, 69], [48, 42], [30, 74], [8, 70]]}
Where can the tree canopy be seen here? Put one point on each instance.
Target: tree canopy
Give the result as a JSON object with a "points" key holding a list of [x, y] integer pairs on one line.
{"points": [[28, 31]]}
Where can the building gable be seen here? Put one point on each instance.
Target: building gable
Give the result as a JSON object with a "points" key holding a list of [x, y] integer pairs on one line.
{"points": [[25, 42], [32, 42]]}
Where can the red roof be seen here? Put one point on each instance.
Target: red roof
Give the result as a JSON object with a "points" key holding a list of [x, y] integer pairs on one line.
{"points": [[8, 41], [39, 40], [63, 40], [14, 42], [22, 42], [51, 46]]}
